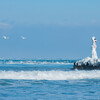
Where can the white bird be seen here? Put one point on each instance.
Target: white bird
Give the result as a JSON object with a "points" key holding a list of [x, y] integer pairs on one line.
{"points": [[22, 37], [5, 37]]}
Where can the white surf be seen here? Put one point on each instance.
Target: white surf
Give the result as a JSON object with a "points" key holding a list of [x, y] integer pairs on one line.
{"points": [[50, 75]]}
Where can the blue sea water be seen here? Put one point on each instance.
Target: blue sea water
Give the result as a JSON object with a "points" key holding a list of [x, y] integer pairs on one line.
{"points": [[47, 80]]}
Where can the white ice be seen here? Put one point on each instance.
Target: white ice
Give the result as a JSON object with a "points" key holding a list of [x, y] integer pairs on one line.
{"points": [[91, 60]]}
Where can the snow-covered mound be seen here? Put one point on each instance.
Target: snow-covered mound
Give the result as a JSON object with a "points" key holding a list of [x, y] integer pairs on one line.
{"points": [[89, 63]]}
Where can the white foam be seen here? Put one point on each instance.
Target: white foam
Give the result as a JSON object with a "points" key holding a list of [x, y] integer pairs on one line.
{"points": [[50, 75], [34, 62]]}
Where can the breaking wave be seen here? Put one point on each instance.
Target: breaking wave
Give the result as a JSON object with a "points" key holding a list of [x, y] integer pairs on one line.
{"points": [[50, 75], [64, 62]]}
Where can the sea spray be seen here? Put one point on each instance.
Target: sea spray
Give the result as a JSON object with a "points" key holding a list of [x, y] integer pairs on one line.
{"points": [[50, 75]]}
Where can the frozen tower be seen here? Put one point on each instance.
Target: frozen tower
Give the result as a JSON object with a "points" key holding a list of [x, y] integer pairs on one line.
{"points": [[89, 63], [94, 53]]}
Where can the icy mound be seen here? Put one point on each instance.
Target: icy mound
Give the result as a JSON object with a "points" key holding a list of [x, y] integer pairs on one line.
{"points": [[89, 63]]}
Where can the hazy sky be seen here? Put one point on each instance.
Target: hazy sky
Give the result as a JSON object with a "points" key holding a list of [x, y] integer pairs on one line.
{"points": [[53, 28]]}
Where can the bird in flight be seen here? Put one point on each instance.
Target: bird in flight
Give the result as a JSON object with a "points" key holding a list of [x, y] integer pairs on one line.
{"points": [[22, 37], [5, 37]]}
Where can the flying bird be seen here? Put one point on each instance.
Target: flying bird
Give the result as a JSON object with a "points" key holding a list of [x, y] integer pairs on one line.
{"points": [[22, 37], [5, 37]]}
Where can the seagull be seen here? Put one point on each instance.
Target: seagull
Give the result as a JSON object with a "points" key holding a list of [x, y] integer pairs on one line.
{"points": [[22, 37], [5, 37]]}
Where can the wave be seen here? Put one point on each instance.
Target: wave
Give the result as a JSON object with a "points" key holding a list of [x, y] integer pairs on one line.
{"points": [[50, 75], [64, 62]]}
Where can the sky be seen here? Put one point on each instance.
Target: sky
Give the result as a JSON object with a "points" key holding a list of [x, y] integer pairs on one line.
{"points": [[53, 28]]}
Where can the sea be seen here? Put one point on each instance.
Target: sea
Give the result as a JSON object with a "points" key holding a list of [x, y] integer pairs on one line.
{"points": [[43, 79]]}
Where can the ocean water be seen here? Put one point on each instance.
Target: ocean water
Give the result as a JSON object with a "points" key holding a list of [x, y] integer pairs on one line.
{"points": [[47, 80]]}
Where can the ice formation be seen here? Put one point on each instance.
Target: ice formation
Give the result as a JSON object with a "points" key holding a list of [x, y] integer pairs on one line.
{"points": [[94, 53], [90, 61]]}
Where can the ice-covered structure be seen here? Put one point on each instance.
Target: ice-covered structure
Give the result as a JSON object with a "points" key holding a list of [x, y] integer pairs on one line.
{"points": [[89, 63]]}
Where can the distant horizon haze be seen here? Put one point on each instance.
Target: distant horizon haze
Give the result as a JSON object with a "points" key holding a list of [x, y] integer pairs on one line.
{"points": [[53, 29]]}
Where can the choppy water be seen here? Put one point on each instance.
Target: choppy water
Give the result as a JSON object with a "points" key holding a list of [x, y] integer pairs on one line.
{"points": [[47, 80]]}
